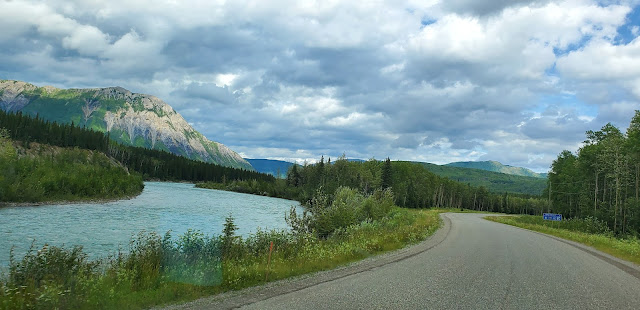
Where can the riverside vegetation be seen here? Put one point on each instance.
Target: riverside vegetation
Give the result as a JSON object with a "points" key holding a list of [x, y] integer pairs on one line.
{"points": [[46, 161], [157, 270], [36, 173], [413, 186]]}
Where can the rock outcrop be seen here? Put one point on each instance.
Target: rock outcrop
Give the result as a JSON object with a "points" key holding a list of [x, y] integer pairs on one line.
{"points": [[129, 118]]}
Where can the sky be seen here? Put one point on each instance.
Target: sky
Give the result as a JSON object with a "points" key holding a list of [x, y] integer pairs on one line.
{"points": [[514, 81]]}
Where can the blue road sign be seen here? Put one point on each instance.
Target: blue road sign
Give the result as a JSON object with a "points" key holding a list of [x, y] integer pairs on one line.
{"points": [[552, 216]]}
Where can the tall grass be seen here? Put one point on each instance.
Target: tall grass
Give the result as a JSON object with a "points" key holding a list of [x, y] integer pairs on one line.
{"points": [[162, 269], [587, 231]]}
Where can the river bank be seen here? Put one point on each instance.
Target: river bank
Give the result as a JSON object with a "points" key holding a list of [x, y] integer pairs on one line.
{"points": [[103, 228], [67, 202], [159, 271]]}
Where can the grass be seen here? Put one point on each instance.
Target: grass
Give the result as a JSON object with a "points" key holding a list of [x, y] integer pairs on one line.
{"points": [[588, 231], [159, 270]]}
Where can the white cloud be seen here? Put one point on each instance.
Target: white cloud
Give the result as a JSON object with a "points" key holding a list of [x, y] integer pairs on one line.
{"points": [[518, 43], [602, 60], [434, 81]]}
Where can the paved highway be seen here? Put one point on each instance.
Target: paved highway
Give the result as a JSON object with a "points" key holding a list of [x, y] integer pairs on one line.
{"points": [[471, 263]]}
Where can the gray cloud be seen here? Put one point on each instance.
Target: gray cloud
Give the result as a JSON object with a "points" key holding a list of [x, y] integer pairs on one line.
{"points": [[367, 79], [485, 7]]}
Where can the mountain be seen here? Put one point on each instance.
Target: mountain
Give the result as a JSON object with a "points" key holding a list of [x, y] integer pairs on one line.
{"points": [[497, 167], [494, 181], [129, 118], [271, 166]]}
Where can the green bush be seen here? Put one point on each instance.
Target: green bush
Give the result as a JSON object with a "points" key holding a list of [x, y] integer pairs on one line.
{"points": [[345, 210], [324, 216]]}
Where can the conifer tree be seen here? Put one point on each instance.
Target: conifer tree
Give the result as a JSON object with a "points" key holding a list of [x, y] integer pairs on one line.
{"points": [[386, 174]]}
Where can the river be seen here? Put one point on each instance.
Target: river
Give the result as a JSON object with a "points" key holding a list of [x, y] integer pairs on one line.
{"points": [[101, 228]]}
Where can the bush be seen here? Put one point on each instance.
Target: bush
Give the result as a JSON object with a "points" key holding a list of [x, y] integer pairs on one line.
{"points": [[349, 207], [379, 204], [345, 210]]}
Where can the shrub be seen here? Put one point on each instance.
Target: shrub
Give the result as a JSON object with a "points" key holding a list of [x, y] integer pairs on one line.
{"points": [[349, 207]]}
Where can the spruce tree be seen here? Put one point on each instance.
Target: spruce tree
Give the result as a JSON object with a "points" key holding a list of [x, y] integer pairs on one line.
{"points": [[386, 174]]}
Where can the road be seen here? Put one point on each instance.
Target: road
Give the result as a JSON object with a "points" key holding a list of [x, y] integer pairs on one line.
{"points": [[471, 263]]}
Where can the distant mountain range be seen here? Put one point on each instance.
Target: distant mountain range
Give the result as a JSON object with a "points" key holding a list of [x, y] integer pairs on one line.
{"points": [[498, 167], [129, 118], [272, 166], [276, 168], [496, 182]]}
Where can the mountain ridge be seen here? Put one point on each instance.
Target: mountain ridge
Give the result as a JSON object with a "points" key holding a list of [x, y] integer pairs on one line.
{"points": [[495, 166], [129, 118], [276, 168], [496, 182]]}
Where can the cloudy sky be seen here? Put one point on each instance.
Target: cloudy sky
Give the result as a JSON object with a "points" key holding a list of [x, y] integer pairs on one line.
{"points": [[515, 81]]}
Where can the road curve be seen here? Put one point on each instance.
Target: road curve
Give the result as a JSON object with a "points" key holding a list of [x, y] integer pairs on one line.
{"points": [[471, 263]]}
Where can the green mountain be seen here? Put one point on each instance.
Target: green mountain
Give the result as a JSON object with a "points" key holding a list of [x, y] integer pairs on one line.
{"points": [[494, 181], [276, 168], [497, 167], [129, 118]]}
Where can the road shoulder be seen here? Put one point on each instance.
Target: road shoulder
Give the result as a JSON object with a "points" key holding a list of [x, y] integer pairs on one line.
{"points": [[626, 266], [236, 299]]}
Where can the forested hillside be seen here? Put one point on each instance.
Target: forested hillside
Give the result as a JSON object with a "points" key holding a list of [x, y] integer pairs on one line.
{"points": [[37, 172], [601, 180], [494, 181], [152, 164], [495, 166]]}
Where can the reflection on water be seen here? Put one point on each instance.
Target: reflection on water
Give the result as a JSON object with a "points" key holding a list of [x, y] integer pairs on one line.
{"points": [[102, 228]]}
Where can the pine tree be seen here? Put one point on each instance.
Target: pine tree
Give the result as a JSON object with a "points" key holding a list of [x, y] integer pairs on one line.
{"points": [[386, 174]]}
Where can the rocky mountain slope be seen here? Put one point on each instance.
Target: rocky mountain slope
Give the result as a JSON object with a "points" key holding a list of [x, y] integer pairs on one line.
{"points": [[129, 118], [498, 167]]}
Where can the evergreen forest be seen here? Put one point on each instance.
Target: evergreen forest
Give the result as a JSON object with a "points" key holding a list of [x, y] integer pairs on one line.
{"points": [[151, 164]]}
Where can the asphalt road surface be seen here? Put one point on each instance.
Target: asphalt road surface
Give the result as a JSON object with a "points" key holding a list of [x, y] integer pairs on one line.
{"points": [[471, 263]]}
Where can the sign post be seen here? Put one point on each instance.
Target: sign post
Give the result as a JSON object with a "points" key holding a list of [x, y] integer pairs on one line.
{"points": [[552, 216]]}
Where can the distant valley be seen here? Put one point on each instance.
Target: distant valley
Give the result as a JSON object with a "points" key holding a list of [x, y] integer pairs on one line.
{"points": [[494, 176], [129, 118], [276, 168]]}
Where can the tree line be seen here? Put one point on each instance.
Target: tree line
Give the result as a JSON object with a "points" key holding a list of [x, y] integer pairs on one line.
{"points": [[601, 180], [152, 164], [412, 185]]}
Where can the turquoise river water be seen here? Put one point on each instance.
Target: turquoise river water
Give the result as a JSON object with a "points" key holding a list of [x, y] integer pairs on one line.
{"points": [[102, 228]]}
